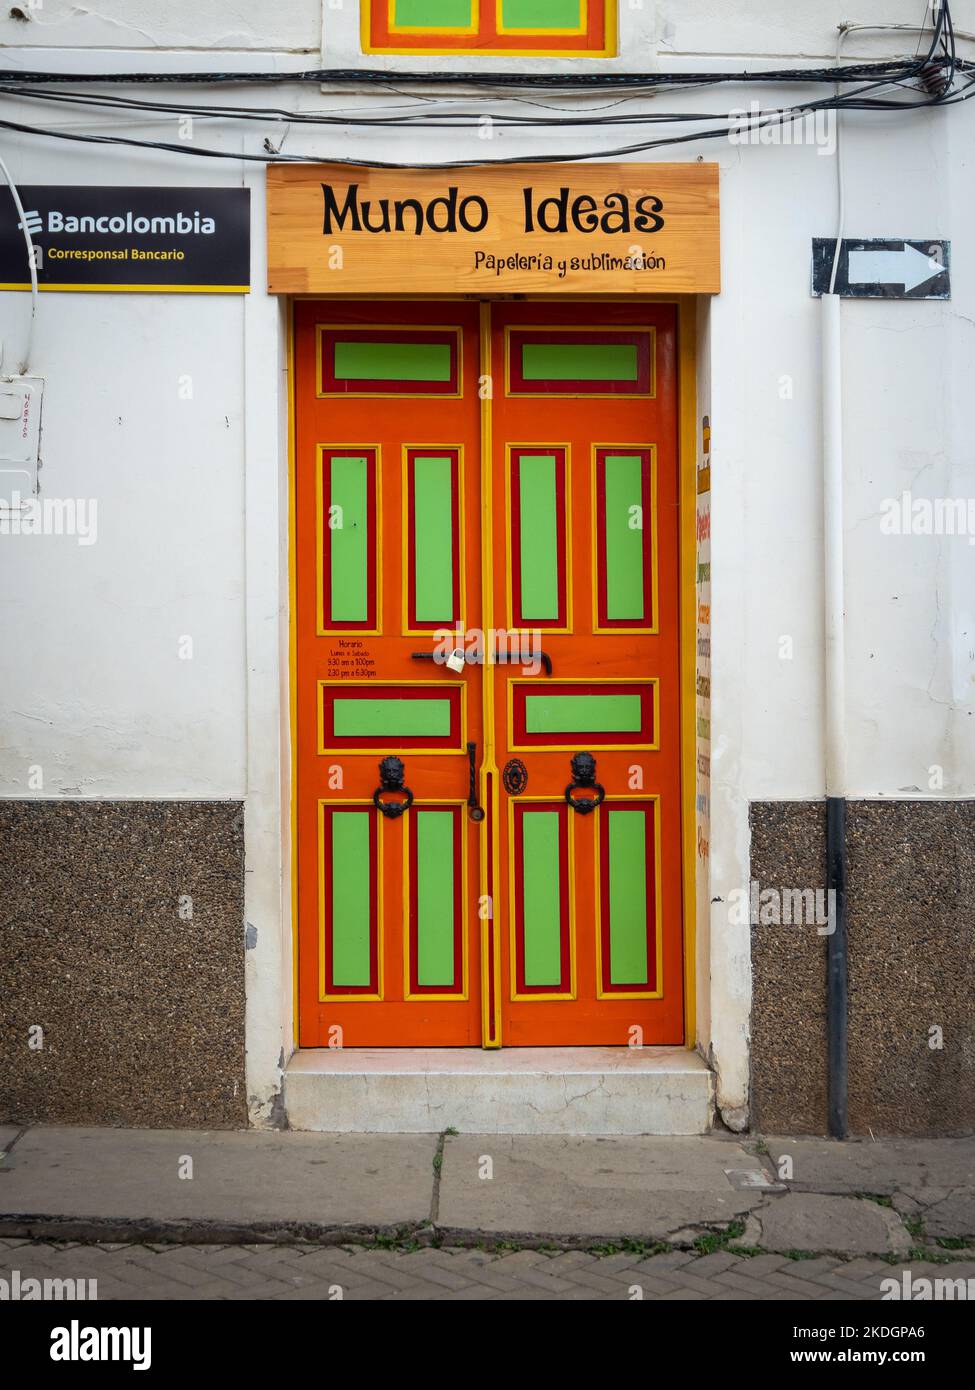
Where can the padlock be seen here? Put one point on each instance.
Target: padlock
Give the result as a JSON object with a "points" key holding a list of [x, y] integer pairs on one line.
{"points": [[456, 661]]}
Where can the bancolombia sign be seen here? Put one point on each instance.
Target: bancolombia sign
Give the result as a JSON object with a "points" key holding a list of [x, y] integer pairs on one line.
{"points": [[127, 238], [566, 228]]}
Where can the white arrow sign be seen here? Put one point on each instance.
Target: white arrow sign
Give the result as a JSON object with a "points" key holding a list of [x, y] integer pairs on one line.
{"points": [[908, 267]]}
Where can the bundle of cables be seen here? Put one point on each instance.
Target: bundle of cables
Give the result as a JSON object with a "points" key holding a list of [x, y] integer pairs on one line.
{"points": [[933, 77]]}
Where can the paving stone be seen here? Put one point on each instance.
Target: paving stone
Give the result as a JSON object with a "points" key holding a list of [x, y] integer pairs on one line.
{"points": [[575, 1259], [801, 1287], [639, 1186], [885, 1166], [739, 1279], [954, 1216], [624, 1260], [713, 1264], [446, 1277], [763, 1264], [811, 1221], [673, 1259], [608, 1285], [851, 1287], [862, 1268], [543, 1279], [239, 1177], [653, 1286], [811, 1269]]}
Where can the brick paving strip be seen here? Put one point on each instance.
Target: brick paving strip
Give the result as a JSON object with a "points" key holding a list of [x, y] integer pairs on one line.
{"points": [[272, 1272]]}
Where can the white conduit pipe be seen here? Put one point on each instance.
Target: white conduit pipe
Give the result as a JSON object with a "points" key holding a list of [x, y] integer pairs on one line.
{"points": [[833, 590]]}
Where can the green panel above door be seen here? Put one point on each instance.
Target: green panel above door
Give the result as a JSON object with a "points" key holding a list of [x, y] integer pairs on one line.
{"points": [[392, 361], [541, 15], [432, 14], [579, 361]]}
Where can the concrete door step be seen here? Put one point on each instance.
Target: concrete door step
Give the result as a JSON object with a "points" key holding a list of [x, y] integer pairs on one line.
{"points": [[518, 1090]]}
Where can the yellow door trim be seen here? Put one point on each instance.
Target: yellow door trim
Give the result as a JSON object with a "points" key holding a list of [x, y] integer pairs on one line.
{"points": [[687, 456]]}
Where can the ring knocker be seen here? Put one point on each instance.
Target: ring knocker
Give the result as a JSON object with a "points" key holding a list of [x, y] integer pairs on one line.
{"points": [[391, 774], [584, 776]]}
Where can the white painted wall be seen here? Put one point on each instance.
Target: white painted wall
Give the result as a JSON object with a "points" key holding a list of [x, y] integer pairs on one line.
{"points": [[191, 519], [95, 689]]}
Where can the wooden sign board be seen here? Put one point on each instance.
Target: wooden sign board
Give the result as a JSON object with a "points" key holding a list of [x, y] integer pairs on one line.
{"points": [[521, 229]]}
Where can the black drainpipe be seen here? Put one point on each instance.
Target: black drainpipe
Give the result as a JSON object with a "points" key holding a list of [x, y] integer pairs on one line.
{"points": [[837, 980]]}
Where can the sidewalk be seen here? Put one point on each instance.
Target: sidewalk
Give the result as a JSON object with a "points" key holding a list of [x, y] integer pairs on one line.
{"points": [[704, 1217]]}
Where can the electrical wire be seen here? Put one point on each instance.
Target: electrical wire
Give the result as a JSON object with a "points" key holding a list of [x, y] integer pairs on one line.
{"points": [[32, 263], [578, 81], [928, 79]]}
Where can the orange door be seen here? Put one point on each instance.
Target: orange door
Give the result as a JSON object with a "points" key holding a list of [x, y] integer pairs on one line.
{"points": [[585, 502], [387, 552], [495, 482]]}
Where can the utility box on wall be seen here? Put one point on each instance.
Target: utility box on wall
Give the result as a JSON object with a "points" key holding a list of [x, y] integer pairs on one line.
{"points": [[20, 437]]}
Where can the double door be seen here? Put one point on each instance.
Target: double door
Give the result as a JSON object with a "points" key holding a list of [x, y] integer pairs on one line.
{"points": [[488, 693]]}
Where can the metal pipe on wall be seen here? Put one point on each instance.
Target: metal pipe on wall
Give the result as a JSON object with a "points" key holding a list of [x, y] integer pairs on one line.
{"points": [[835, 708]]}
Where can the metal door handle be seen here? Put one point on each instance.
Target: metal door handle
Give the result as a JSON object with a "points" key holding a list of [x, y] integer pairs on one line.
{"points": [[392, 770], [476, 810], [584, 775]]}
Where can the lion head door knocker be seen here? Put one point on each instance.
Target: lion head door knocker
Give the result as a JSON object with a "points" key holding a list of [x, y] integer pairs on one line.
{"points": [[391, 773], [584, 779]]}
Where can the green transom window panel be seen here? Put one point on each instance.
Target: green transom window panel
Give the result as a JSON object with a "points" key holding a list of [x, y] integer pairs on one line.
{"points": [[392, 360], [624, 541], [567, 28], [433, 488], [435, 871], [372, 718], [539, 537], [442, 15], [350, 884], [582, 714], [579, 361], [542, 898], [537, 16], [627, 898], [348, 523]]}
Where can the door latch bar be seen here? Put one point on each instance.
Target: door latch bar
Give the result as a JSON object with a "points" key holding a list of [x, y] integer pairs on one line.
{"points": [[499, 659], [474, 806]]}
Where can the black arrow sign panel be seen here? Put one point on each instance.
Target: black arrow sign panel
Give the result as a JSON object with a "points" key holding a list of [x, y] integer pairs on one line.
{"points": [[892, 268]]}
